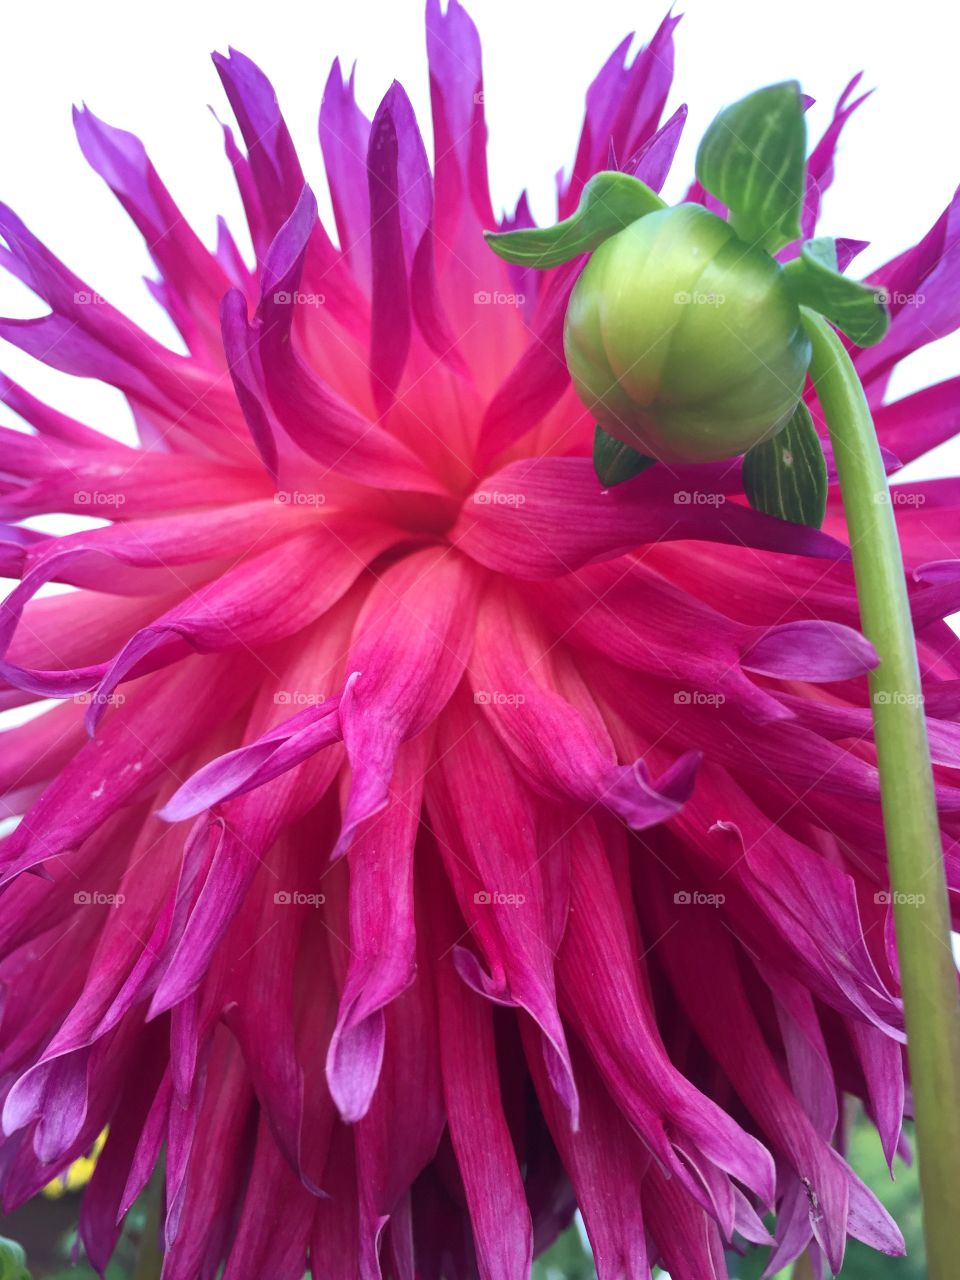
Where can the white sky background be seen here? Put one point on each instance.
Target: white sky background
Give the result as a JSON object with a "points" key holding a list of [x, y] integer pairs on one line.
{"points": [[147, 69]]}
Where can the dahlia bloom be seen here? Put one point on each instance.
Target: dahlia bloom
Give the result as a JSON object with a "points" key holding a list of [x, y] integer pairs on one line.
{"points": [[429, 842]]}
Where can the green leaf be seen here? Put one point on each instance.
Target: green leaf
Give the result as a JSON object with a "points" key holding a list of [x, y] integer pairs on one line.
{"points": [[610, 202], [786, 476], [615, 461], [752, 158], [858, 310], [13, 1261]]}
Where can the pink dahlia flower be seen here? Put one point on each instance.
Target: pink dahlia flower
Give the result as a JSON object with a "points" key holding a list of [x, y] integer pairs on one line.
{"points": [[427, 841]]}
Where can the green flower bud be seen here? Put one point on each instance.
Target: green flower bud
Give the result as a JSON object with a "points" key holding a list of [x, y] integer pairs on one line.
{"points": [[683, 341]]}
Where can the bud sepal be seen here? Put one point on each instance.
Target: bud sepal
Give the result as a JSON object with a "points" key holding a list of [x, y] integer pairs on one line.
{"points": [[786, 476], [610, 202], [614, 462], [858, 310], [752, 159]]}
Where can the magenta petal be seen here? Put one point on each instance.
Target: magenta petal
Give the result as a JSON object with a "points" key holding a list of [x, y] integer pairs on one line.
{"points": [[614, 1020], [436, 591], [271, 1191], [479, 1133], [549, 517], [815, 651], [514, 900], [606, 1163], [252, 766], [193, 279], [240, 348], [270, 151], [319, 420], [558, 750], [537, 381], [633, 796], [383, 940], [651, 163], [400, 205], [344, 134]]}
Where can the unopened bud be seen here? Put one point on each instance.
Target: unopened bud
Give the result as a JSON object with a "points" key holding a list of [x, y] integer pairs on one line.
{"points": [[683, 341]]}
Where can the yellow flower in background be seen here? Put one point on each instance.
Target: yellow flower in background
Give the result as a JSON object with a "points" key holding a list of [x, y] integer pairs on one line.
{"points": [[78, 1174]]}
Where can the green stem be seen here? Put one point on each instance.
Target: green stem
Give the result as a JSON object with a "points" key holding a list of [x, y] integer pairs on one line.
{"points": [[927, 969]]}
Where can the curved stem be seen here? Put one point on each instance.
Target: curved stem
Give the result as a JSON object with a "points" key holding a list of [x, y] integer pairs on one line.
{"points": [[927, 969]]}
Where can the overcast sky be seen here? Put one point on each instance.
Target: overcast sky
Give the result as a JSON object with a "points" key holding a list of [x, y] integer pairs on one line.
{"points": [[146, 68]]}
